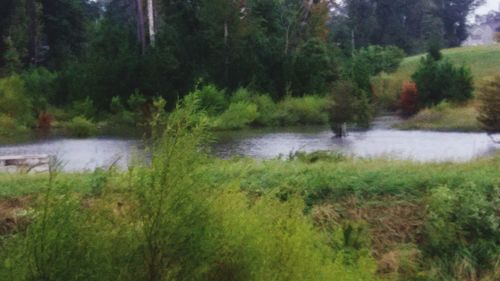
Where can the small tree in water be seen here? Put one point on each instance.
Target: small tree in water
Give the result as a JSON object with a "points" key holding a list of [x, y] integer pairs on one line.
{"points": [[342, 106]]}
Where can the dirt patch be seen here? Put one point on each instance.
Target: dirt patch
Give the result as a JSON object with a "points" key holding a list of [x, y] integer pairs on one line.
{"points": [[13, 214], [391, 221]]}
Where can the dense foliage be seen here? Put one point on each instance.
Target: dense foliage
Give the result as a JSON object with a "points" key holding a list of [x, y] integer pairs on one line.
{"points": [[438, 79], [410, 25]]}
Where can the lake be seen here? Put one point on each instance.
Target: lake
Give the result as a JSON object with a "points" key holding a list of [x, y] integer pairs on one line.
{"points": [[380, 141]]}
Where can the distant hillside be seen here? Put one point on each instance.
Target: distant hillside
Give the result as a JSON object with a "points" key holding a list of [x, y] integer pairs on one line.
{"points": [[484, 61]]}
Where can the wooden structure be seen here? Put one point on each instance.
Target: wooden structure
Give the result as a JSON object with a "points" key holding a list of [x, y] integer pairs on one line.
{"points": [[24, 163]]}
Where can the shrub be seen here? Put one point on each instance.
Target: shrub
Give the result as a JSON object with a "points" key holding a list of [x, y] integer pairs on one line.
{"points": [[408, 101], [489, 105], [85, 108], [40, 87], [342, 106], [80, 127], [438, 80], [266, 109], [237, 116], [308, 110], [212, 100], [14, 101], [9, 128], [386, 91]]}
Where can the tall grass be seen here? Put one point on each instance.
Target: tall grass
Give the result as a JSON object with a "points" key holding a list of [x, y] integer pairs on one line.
{"points": [[170, 222]]}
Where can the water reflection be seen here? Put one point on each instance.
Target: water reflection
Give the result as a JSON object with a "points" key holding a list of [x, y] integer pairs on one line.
{"points": [[88, 154], [411, 145]]}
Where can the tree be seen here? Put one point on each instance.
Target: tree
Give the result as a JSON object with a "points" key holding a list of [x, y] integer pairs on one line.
{"points": [[489, 106], [342, 106], [438, 79], [64, 25], [454, 15]]}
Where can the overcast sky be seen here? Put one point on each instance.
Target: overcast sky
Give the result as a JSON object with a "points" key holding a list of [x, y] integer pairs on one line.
{"points": [[490, 5]]}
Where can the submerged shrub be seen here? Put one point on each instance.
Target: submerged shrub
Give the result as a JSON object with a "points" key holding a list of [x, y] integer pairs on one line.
{"points": [[80, 127]]}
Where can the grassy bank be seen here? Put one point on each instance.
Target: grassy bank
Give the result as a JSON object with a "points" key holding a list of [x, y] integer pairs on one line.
{"points": [[444, 117], [484, 62], [407, 221]]}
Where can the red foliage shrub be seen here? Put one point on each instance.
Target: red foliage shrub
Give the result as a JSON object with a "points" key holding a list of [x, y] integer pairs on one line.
{"points": [[408, 100], [45, 120]]}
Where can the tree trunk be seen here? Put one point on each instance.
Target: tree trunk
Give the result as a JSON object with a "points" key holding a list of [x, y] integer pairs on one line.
{"points": [[151, 22], [226, 55], [141, 37], [33, 32]]}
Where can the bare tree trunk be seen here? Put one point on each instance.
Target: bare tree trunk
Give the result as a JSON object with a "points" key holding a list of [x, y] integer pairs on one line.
{"points": [[34, 32], [226, 50], [141, 37], [151, 22]]}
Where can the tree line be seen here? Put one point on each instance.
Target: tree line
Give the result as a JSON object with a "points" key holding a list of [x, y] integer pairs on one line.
{"points": [[98, 50]]}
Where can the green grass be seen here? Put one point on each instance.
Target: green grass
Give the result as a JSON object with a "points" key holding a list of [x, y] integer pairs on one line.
{"points": [[450, 119], [484, 61]]}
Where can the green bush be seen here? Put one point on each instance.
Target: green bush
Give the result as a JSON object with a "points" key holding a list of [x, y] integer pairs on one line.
{"points": [[266, 110], [40, 87], [386, 91], [14, 100], [348, 104], [9, 128], [237, 116], [212, 100], [438, 80], [80, 127], [307, 110]]}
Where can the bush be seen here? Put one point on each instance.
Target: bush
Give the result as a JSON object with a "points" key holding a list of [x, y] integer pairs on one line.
{"points": [[9, 128], [489, 106], [348, 104], [14, 101], [266, 109], [40, 87], [438, 80], [408, 101], [80, 127], [237, 116], [386, 91], [212, 100], [308, 110]]}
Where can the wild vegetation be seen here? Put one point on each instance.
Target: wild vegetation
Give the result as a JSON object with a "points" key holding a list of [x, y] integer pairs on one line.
{"points": [[320, 216]]}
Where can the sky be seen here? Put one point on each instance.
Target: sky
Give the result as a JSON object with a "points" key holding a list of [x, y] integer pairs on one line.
{"points": [[490, 5]]}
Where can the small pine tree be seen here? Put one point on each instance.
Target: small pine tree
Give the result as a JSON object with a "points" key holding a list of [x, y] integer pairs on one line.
{"points": [[489, 106]]}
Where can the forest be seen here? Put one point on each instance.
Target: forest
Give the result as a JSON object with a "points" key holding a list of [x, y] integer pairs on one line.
{"points": [[82, 65]]}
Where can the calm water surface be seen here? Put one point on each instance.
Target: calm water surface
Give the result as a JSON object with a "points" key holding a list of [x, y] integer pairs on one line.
{"points": [[381, 141]]}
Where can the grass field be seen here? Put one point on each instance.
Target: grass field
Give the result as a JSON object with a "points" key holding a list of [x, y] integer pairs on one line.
{"points": [[484, 62]]}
